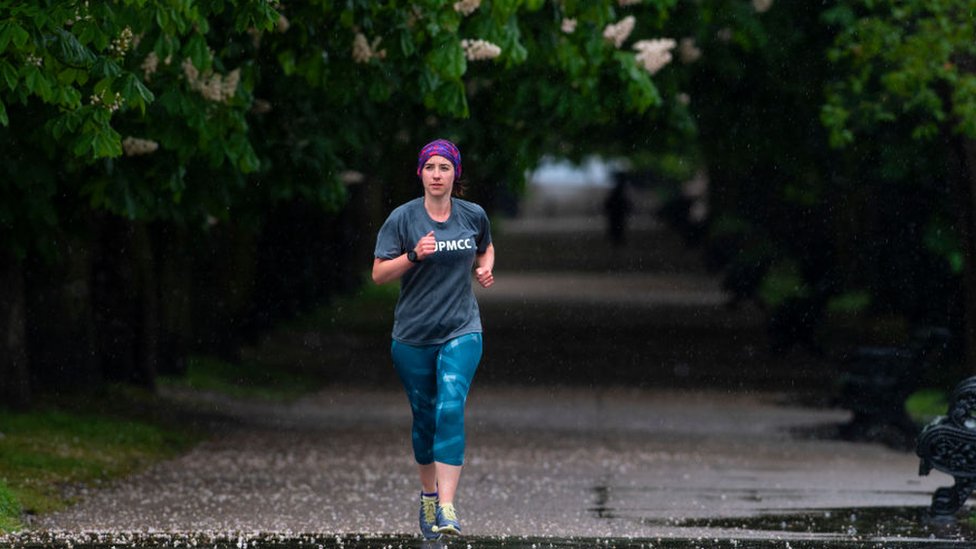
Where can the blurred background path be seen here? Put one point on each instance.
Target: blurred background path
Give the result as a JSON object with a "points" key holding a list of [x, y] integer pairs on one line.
{"points": [[569, 308]]}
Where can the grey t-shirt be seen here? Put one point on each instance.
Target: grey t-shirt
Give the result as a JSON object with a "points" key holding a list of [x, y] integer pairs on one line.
{"points": [[436, 301]]}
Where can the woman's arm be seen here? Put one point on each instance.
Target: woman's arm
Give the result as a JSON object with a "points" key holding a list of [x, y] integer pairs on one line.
{"points": [[484, 264], [388, 270]]}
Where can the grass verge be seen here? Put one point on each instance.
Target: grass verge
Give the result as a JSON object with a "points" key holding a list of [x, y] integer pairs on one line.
{"points": [[89, 439], [286, 364], [925, 405], [248, 379], [84, 440]]}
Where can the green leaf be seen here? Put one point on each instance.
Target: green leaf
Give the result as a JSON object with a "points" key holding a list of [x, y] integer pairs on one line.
{"points": [[37, 83], [105, 68], [503, 9], [135, 93], [379, 91], [6, 33], [447, 59], [88, 32], [162, 18], [83, 144], [70, 51], [248, 162], [107, 143], [406, 43], [449, 98], [66, 96], [3, 115], [196, 49], [287, 61], [18, 35], [449, 20], [9, 74]]}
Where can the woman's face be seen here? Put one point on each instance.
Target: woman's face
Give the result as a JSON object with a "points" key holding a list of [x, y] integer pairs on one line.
{"points": [[437, 175]]}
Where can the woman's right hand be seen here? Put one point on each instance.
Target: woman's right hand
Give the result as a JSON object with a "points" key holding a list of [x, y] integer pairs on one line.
{"points": [[426, 246]]}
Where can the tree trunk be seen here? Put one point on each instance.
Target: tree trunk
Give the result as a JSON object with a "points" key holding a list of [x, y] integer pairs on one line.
{"points": [[60, 334], [965, 176], [14, 374], [147, 349], [175, 317], [126, 302], [223, 282]]}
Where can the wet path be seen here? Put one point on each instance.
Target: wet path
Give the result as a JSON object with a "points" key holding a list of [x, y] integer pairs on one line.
{"points": [[552, 462], [619, 406]]}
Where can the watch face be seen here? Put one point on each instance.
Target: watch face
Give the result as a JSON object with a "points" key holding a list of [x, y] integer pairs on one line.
{"points": [[412, 255]]}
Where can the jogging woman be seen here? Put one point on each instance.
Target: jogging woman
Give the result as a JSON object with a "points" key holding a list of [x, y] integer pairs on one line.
{"points": [[431, 244]]}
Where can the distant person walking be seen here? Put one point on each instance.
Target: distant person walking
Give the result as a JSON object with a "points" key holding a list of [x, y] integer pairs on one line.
{"points": [[431, 244], [617, 207]]}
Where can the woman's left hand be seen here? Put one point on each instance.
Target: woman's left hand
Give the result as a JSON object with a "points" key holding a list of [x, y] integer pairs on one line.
{"points": [[484, 276]]}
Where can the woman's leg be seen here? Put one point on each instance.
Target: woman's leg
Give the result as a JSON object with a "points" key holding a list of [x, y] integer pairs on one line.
{"points": [[428, 477], [417, 368], [448, 477], [456, 365]]}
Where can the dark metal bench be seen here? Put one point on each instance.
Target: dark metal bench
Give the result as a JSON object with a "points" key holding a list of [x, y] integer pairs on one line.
{"points": [[948, 444], [876, 381]]}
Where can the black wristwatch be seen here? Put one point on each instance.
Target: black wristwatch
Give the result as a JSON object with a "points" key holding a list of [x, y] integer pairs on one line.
{"points": [[412, 256]]}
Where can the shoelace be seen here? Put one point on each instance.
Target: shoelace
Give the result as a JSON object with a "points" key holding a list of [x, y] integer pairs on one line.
{"points": [[430, 510], [448, 512]]}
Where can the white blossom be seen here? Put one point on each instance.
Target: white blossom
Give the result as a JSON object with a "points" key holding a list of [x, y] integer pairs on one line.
{"points": [[112, 104], [625, 3], [653, 55], [568, 25], [683, 99], [79, 16], [190, 71], [762, 6], [134, 146], [230, 82], [363, 51], [351, 177], [467, 7], [149, 65], [618, 32], [32, 59], [360, 49], [122, 44], [475, 50], [283, 24], [688, 51], [211, 86]]}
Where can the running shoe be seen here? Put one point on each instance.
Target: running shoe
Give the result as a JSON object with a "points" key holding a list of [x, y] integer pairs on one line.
{"points": [[447, 520], [428, 517]]}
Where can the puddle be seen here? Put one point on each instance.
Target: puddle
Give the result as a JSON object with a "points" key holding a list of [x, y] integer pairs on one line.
{"points": [[888, 524]]}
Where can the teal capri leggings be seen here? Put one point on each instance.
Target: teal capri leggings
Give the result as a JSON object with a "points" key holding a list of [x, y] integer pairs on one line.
{"points": [[437, 379]]}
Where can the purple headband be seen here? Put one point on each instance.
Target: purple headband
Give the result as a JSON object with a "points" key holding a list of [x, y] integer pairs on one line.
{"points": [[440, 147]]}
